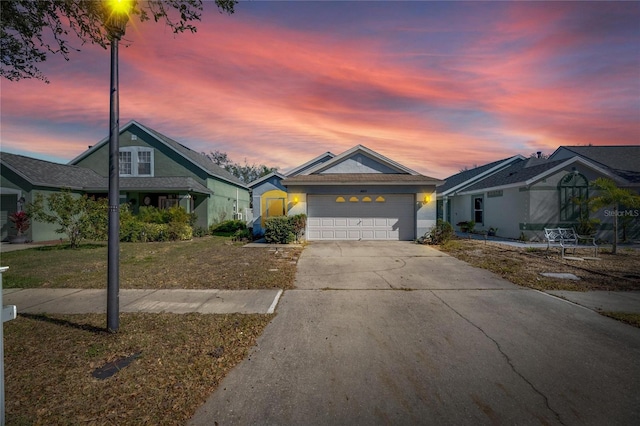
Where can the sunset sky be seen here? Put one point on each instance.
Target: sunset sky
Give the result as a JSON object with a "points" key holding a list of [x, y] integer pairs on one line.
{"points": [[436, 86]]}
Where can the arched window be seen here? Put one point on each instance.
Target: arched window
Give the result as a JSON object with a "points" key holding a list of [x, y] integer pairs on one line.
{"points": [[573, 188]]}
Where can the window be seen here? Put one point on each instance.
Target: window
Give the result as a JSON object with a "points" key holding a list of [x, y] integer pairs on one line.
{"points": [[136, 161], [573, 189], [478, 210], [144, 163], [125, 163]]}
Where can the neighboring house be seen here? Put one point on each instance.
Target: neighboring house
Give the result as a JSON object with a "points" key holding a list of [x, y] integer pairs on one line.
{"points": [[521, 196], [357, 195], [21, 178], [154, 171], [158, 171]]}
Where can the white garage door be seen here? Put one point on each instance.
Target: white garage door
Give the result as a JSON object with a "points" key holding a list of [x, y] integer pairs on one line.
{"points": [[360, 217]]}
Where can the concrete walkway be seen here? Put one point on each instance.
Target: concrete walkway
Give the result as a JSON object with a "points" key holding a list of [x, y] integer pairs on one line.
{"points": [[77, 301]]}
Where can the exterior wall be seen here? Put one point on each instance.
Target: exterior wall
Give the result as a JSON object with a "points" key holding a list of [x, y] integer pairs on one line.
{"points": [[273, 183], [425, 212], [505, 212], [220, 205], [460, 207]]}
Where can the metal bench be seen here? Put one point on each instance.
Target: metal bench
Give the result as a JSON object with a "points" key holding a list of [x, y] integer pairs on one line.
{"points": [[568, 238]]}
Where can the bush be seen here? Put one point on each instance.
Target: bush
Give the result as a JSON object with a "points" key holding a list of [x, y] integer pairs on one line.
{"points": [[242, 234], [227, 228], [200, 231], [153, 214], [440, 233], [177, 231], [298, 225], [279, 230]]}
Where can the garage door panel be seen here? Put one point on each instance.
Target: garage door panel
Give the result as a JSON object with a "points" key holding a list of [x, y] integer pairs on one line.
{"points": [[389, 220]]}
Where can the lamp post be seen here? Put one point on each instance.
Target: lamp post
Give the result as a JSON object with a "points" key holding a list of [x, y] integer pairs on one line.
{"points": [[116, 22]]}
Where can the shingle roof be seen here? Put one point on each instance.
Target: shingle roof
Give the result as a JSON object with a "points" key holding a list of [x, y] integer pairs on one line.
{"points": [[517, 172], [196, 157], [360, 178], [622, 160], [163, 184], [466, 175], [52, 175]]}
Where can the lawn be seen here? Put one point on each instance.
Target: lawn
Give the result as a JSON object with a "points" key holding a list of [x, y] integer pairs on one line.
{"points": [[619, 272], [202, 263], [49, 359]]}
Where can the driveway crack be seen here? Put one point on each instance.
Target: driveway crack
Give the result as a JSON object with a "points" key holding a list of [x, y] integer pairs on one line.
{"points": [[506, 357]]}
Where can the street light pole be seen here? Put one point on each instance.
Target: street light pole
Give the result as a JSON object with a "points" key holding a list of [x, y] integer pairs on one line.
{"points": [[115, 24]]}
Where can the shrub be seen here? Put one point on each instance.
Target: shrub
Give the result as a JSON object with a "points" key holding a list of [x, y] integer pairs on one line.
{"points": [[279, 230], [242, 234], [227, 228], [151, 214], [200, 231], [298, 225], [177, 231], [178, 214], [440, 233]]}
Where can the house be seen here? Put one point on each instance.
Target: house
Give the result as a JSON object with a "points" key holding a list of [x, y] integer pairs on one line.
{"points": [[269, 196], [357, 195], [155, 170], [521, 196], [21, 178]]}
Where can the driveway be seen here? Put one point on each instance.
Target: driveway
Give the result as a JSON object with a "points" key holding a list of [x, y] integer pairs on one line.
{"points": [[398, 333]]}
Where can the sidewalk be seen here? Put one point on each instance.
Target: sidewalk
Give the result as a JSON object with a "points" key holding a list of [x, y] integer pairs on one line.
{"points": [[79, 301]]}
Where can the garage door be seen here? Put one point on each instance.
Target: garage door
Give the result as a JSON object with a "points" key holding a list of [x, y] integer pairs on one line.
{"points": [[360, 217]]}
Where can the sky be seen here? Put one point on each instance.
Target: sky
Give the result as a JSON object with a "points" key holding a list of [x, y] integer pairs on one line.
{"points": [[435, 86]]}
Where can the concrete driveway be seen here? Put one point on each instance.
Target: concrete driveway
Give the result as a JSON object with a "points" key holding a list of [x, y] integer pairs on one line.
{"points": [[398, 333]]}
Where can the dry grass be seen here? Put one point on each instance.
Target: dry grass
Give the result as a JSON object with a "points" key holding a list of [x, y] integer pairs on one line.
{"points": [[203, 263], [49, 361], [618, 272]]}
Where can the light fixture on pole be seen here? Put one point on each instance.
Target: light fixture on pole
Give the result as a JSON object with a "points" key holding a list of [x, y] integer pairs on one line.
{"points": [[117, 15]]}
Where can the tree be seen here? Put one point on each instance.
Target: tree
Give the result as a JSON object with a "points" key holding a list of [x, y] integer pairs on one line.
{"points": [[77, 217], [609, 195], [30, 30], [246, 173]]}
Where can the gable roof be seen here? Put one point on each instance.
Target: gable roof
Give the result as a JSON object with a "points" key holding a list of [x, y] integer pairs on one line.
{"points": [[258, 181], [360, 149], [360, 179], [311, 163], [622, 160], [468, 177], [403, 175], [193, 157], [521, 174], [51, 175]]}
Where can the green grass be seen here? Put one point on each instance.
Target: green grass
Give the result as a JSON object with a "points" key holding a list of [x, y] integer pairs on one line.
{"points": [[203, 263]]}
